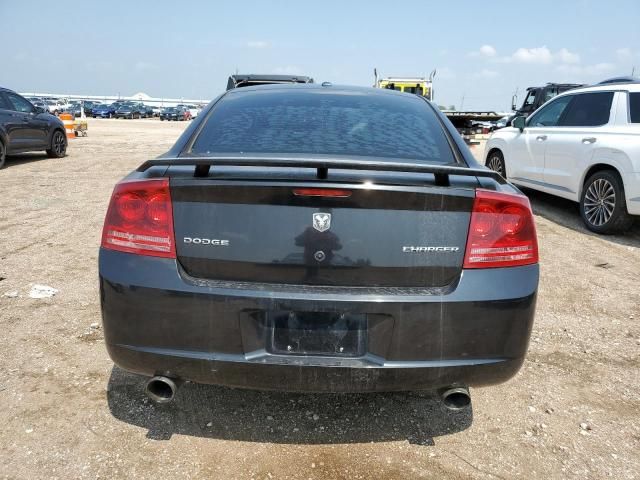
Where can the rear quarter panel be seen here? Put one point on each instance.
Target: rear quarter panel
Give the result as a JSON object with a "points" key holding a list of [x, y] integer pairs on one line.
{"points": [[618, 147]]}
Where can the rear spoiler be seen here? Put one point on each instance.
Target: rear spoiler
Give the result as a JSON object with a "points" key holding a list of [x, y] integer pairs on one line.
{"points": [[441, 172]]}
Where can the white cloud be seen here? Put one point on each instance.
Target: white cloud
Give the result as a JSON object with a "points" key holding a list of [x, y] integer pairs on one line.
{"points": [[541, 55], [565, 56], [486, 51], [257, 44], [486, 73], [595, 70]]}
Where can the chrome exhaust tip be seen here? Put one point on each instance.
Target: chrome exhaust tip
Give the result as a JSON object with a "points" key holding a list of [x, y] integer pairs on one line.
{"points": [[456, 398], [161, 389]]}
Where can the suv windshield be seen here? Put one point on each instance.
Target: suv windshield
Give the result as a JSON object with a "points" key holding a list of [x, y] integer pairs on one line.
{"points": [[319, 121], [531, 98]]}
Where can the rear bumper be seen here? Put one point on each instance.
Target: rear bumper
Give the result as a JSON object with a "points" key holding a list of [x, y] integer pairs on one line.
{"points": [[158, 320]]}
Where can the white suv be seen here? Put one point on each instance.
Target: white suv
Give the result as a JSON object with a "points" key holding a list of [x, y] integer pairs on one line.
{"points": [[583, 145]]}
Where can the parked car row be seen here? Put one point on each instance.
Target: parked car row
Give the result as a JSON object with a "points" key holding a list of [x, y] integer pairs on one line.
{"points": [[118, 109], [50, 104]]}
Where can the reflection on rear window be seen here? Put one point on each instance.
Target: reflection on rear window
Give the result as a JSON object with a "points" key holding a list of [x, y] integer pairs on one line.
{"points": [[319, 121]]}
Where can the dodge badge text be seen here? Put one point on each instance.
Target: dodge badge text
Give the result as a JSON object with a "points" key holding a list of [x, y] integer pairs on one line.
{"points": [[206, 241]]}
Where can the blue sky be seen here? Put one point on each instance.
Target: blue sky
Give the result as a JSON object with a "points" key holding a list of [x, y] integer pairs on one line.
{"points": [[481, 50]]}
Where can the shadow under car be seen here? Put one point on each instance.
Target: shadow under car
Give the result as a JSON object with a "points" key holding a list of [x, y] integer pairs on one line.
{"points": [[278, 417]]}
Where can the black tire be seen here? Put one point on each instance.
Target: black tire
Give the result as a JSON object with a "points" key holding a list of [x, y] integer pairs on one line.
{"points": [[603, 206], [3, 155], [58, 147], [495, 161]]}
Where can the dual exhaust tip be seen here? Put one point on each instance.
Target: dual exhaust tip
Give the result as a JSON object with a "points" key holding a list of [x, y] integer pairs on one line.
{"points": [[162, 389]]}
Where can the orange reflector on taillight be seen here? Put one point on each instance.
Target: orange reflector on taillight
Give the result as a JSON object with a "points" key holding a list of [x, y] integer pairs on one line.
{"points": [[321, 192], [140, 219], [501, 232]]}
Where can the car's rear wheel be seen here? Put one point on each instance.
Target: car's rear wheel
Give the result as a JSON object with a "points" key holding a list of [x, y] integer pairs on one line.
{"points": [[602, 205], [495, 161], [58, 145], [3, 154]]}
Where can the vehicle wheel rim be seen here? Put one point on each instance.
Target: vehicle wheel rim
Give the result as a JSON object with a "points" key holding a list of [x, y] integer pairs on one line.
{"points": [[599, 202], [495, 164], [58, 144]]}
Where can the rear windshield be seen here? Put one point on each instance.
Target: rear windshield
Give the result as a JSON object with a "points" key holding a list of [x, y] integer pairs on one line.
{"points": [[342, 123]]}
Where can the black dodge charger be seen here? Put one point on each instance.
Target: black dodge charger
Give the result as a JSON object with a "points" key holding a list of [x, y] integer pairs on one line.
{"points": [[319, 238]]}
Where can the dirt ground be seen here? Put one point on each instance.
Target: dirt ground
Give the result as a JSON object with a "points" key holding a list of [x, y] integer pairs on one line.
{"points": [[573, 411]]}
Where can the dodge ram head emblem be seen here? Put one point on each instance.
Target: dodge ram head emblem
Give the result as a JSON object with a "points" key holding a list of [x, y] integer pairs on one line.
{"points": [[322, 221]]}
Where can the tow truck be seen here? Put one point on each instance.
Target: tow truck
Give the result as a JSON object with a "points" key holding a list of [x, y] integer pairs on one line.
{"points": [[422, 86], [537, 96], [471, 125]]}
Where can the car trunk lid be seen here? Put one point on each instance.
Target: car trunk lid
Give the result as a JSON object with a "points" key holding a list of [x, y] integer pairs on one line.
{"points": [[294, 232]]}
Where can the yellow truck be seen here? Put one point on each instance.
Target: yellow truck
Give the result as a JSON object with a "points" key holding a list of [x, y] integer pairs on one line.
{"points": [[422, 86], [471, 125]]}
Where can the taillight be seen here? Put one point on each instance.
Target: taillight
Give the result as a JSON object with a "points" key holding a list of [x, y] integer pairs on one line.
{"points": [[140, 219], [501, 232]]}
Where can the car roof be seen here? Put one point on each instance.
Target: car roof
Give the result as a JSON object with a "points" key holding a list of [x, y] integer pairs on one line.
{"points": [[277, 78], [624, 79], [338, 89], [610, 87]]}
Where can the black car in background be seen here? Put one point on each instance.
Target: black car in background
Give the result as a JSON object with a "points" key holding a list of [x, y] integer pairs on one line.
{"points": [[130, 110], [147, 110], [319, 238], [26, 128], [175, 113]]}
